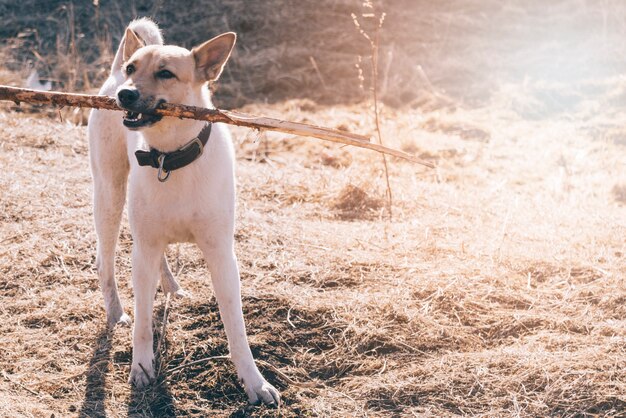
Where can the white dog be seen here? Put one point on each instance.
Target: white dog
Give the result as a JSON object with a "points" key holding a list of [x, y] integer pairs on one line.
{"points": [[182, 188]]}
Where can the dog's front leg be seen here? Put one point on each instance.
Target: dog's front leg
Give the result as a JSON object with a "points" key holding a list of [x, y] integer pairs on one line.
{"points": [[109, 167], [146, 262], [225, 278]]}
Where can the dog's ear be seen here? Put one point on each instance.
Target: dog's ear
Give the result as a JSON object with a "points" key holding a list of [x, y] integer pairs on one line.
{"points": [[132, 42], [211, 56]]}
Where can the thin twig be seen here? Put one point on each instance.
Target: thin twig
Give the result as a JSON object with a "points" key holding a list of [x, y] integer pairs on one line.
{"points": [[288, 319], [150, 379], [317, 71], [202, 360], [375, 45], [7, 377], [163, 325], [287, 378], [261, 362], [503, 232]]}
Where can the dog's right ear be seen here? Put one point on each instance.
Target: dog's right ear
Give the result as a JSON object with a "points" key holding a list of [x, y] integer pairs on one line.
{"points": [[211, 56], [132, 43]]}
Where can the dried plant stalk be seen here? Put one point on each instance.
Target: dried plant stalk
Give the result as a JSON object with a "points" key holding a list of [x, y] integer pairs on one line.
{"points": [[375, 46], [18, 95]]}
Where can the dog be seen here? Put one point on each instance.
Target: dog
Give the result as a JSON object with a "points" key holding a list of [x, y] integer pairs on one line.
{"points": [[181, 188]]}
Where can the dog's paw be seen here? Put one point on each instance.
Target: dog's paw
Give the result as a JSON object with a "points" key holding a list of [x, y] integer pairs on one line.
{"points": [[119, 319], [141, 376], [181, 294], [259, 390]]}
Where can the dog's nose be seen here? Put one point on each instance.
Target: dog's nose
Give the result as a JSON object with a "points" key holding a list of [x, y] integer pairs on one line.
{"points": [[128, 96]]}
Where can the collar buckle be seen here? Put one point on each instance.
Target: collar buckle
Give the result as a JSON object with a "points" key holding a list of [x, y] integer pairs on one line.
{"points": [[196, 140]]}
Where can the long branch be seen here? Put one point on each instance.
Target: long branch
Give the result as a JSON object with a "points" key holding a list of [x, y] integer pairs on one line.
{"points": [[18, 95]]}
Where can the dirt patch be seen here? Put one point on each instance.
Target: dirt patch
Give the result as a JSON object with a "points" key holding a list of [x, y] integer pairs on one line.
{"points": [[619, 193], [355, 203], [299, 342]]}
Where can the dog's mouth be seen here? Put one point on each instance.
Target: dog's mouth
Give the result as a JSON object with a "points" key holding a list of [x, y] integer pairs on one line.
{"points": [[136, 120]]}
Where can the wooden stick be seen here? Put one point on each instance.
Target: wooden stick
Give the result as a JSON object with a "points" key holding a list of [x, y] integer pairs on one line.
{"points": [[18, 95]]}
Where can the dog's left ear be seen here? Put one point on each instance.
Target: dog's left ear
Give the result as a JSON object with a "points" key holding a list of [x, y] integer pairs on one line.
{"points": [[132, 42], [211, 56]]}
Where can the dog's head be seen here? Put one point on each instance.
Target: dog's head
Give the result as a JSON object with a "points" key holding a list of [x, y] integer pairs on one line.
{"points": [[158, 74]]}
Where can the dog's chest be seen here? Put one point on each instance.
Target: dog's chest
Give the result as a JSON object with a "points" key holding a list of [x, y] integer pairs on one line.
{"points": [[180, 210]]}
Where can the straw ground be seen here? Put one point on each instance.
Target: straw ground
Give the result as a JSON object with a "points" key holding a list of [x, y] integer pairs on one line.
{"points": [[497, 290]]}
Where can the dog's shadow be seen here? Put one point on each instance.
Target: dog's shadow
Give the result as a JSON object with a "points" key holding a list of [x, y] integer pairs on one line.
{"points": [[95, 386], [156, 400]]}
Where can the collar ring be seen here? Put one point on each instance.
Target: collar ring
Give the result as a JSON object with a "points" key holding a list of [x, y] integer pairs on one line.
{"points": [[160, 177]]}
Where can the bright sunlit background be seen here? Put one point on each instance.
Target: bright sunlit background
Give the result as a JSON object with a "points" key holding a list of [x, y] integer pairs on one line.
{"points": [[558, 52]]}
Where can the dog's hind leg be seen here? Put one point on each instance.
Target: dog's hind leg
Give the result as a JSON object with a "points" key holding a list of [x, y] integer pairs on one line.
{"points": [[225, 277], [169, 283]]}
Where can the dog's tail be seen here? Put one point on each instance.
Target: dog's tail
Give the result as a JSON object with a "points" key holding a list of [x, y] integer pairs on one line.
{"points": [[146, 30]]}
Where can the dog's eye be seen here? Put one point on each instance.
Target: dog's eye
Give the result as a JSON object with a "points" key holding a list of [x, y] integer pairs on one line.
{"points": [[165, 74], [130, 68]]}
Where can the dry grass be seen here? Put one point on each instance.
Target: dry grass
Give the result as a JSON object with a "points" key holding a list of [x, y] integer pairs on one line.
{"points": [[498, 289]]}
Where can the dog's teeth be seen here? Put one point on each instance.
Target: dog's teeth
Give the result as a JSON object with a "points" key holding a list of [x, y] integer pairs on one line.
{"points": [[140, 116], [132, 116]]}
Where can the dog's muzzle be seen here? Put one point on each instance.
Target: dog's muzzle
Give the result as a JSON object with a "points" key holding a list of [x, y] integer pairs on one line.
{"points": [[136, 116]]}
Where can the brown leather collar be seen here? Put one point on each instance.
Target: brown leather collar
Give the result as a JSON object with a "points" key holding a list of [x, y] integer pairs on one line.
{"points": [[170, 161]]}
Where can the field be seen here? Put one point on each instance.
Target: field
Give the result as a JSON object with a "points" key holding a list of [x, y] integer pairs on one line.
{"points": [[497, 288]]}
